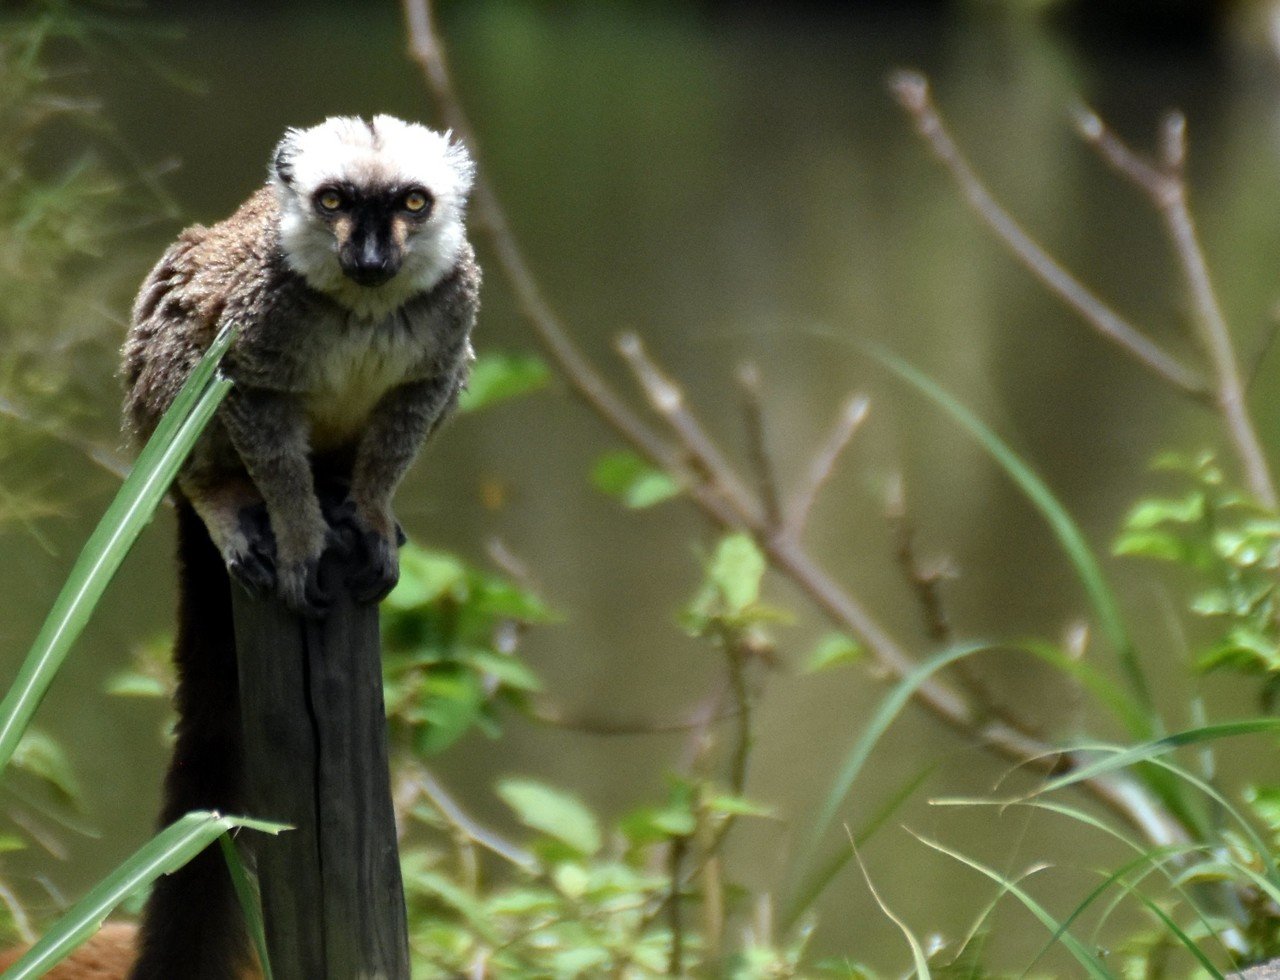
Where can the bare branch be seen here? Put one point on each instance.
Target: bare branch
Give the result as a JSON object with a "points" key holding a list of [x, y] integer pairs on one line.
{"points": [[667, 400], [697, 720], [912, 92], [753, 412], [1166, 187], [824, 463], [417, 782]]}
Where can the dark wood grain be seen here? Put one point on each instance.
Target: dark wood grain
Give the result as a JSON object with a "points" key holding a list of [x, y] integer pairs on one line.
{"points": [[316, 751]]}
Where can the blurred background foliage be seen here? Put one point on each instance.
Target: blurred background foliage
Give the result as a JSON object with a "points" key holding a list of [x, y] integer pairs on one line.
{"points": [[733, 182]]}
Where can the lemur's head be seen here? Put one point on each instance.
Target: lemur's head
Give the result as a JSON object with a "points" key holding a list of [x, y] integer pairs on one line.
{"points": [[371, 212]]}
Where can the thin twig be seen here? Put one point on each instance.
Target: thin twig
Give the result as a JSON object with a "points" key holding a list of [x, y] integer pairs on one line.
{"points": [[675, 919], [758, 444], [738, 654], [21, 921], [1264, 350], [1166, 186], [667, 399], [417, 781], [912, 92], [1125, 797], [695, 720], [925, 583], [824, 462]]}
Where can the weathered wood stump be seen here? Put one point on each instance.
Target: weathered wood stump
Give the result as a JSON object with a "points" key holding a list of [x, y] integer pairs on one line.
{"points": [[316, 758]]}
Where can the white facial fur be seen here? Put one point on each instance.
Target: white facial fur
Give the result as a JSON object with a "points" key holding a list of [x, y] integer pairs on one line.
{"points": [[386, 151]]}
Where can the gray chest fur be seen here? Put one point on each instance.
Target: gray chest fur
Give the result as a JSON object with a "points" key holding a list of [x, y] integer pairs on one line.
{"points": [[356, 362]]}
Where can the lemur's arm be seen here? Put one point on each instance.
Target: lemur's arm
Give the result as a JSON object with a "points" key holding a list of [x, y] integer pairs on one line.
{"points": [[270, 433], [399, 425]]}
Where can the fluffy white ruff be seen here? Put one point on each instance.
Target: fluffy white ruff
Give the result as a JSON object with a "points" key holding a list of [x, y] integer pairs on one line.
{"points": [[385, 152]]}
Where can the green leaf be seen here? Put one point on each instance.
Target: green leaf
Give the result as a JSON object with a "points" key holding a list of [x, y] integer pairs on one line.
{"points": [[165, 853], [426, 576], [632, 480], [737, 806], [737, 569], [250, 908], [552, 813], [496, 377], [581, 961], [507, 670], [649, 824], [130, 684], [452, 699], [1150, 513], [106, 548], [833, 650], [1158, 546], [571, 879], [40, 756]]}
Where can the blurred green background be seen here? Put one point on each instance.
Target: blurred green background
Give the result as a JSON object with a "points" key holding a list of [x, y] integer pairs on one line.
{"points": [[734, 183]]}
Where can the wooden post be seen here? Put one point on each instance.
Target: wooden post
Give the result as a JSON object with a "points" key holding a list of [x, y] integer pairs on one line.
{"points": [[316, 758]]}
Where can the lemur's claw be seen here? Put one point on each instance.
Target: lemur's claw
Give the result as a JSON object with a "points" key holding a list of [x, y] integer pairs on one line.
{"points": [[299, 588], [251, 555], [378, 570]]}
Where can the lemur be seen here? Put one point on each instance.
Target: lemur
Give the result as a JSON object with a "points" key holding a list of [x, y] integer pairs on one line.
{"points": [[353, 288]]}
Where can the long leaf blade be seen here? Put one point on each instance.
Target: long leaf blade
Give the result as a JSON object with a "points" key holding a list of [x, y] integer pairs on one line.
{"points": [[167, 851], [129, 512]]}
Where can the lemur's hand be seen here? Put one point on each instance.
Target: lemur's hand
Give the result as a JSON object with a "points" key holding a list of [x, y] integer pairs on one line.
{"points": [[254, 560], [298, 586], [250, 553], [373, 543]]}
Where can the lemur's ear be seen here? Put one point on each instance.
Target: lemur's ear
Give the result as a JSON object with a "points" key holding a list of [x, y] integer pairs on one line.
{"points": [[282, 159], [463, 165]]}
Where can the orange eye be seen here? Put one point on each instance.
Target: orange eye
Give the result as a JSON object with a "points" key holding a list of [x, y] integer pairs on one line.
{"points": [[415, 201], [329, 200]]}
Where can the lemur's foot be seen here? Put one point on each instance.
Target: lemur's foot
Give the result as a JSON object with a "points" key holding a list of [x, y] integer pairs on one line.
{"points": [[374, 562], [250, 554]]}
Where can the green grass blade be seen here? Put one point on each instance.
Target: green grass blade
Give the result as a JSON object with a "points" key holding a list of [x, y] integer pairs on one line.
{"points": [[1173, 927], [917, 950], [1069, 536], [166, 852], [129, 512], [1209, 790], [1147, 751], [1086, 959], [823, 877], [890, 707], [1157, 857], [249, 905]]}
